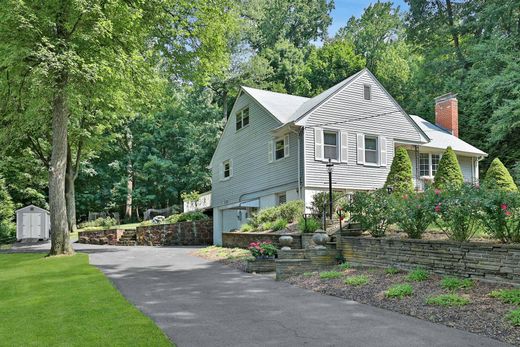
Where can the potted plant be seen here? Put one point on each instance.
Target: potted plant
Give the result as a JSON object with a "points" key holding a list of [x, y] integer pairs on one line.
{"points": [[263, 249]]}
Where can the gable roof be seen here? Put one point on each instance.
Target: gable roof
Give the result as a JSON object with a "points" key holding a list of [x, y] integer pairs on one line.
{"points": [[31, 208], [441, 138], [281, 106]]}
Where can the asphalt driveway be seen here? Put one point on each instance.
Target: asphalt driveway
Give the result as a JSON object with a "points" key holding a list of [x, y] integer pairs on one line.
{"points": [[201, 303]]}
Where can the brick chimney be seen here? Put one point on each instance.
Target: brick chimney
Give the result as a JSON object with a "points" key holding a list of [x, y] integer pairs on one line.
{"points": [[447, 113]]}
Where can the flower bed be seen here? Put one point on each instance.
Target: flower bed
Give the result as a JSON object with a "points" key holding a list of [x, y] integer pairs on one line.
{"points": [[471, 307]]}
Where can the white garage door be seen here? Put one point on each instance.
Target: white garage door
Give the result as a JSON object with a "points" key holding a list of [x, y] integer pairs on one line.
{"points": [[32, 225]]}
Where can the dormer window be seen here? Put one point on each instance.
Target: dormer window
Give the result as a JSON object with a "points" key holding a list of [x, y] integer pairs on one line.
{"points": [[242, 118], [367, 92]]}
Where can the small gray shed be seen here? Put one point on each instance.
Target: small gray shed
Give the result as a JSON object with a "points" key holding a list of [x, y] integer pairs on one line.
{"points": [[32, 222]]}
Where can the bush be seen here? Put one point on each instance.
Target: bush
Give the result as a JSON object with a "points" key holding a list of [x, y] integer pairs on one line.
{"points": [[262, 249], [288, 211], [514, 317], [498, 178], [392, 270], [448, 300], [500, 215], [319, 199], [266, 226], [417, 275], [373, 210], [399, 291], [452, 283], [359, 280], [344, 266], [413, 213], [449, 173], [7, 232], [279, 224], [400, 177], [328, 275], [186, 217], [509, 296], [246, 228], [310, 226], [458, 209], [100, 222]]}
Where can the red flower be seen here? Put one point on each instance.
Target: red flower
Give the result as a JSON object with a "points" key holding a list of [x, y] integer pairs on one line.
{"points": [[508, 213], [437, 192], [503, 207], [438, 208], [405, 196]]}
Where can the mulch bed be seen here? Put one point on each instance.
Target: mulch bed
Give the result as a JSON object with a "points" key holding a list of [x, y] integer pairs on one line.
{"points": [[483, 315], [234, 257]]}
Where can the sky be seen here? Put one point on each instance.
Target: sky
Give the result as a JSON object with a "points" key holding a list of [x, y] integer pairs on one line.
{"points": [[348, 8]]}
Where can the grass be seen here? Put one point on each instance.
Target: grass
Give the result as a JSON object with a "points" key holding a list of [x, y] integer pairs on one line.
{"points": [[308, 274], [64, 301], [399, 291], [358, 280], [328, 275], [344, 266], [129, 226], [452, 283], [417, 275], [224, 253], [392, 270], [514, 317], [448, 300], [510, 296]]}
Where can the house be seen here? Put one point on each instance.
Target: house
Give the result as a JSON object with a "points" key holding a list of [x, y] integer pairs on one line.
{"points": [[275, 146]]}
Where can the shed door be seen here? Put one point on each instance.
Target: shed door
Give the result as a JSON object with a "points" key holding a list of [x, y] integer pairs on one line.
{"points": [[31, 225]]}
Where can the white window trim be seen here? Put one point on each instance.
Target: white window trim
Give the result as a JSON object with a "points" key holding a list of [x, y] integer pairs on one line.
{"points": [[381, 150], [272, 148], [239, 113], [222, 170], [378, 152], [430, 165], [338, 146]]}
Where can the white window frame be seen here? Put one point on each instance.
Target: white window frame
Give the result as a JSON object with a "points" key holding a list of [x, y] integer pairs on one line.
{"points": [[377, 151], [271, 148], [240, 119], [223, 170], [430, 175], [338, 145], [279, 198]]}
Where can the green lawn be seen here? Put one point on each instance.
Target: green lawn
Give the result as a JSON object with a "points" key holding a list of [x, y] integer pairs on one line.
{"points": [[64, 301]]}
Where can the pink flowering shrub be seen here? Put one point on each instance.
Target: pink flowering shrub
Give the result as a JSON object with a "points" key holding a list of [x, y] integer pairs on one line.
{"points": [[413, 213], [500, 215], [262, 249]]}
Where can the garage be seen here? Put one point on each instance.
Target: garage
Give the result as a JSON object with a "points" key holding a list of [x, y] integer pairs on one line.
{"points": [[32, 222]]}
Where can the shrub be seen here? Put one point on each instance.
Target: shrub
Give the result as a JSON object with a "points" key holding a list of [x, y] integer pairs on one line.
{"points": [[373, 210], [449, 173], [344, 266], [309, 226], [6, 203], [186, 217], [7, 232], [319, 199], [498, 178], [266, 226], [510, 296], [400, 177], [279, 224], [413, 213], [106, 222], [245, 228], [262, 249], [500, 215], [359, 280], [291, 210], [514, 317], [448, 300], [417, 275], [399, 291], [452, 283], [458, 209], [328, 275], [392, 270]]}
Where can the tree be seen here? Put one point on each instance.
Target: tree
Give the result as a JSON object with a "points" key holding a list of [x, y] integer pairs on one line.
{"points": [[449, 173], [498, 177], [400, 177], [6, 212]]}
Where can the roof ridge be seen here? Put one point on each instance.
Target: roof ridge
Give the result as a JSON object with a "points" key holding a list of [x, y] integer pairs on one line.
{"points": [[270, 91]]}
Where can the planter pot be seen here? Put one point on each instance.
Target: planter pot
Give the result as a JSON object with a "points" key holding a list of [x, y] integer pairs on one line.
{"points": [[286, 242], [320, 238]]}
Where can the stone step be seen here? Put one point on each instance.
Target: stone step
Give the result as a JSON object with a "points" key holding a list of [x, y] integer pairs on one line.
{"points": [[126, 243]]}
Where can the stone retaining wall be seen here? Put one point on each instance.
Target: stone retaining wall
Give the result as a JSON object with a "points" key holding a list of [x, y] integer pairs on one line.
{"points": [[100, 237], [242, 240], [293, 262], [196, 233], [260, 265], [485, 261]]}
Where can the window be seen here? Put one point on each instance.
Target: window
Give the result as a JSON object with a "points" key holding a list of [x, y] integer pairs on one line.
{"points": [[371, 150], [279, 151], [330, 143], [282, 198], [367, 92], [428, 164], [242, 118], [226, 170]]}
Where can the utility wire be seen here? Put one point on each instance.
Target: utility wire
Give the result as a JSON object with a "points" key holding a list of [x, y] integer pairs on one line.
{"points": [[354, 119]]}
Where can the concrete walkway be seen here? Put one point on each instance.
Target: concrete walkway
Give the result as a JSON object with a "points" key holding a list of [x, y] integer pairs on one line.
{"points": [[202, 303]]}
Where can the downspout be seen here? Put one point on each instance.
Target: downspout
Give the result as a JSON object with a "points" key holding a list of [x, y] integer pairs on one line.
{"points": [[299, 167]]}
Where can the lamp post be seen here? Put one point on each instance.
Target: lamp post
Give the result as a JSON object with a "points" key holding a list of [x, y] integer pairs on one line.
{"points": [[330, 167]]}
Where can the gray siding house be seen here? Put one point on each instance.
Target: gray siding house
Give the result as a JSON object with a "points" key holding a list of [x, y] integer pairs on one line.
{"points": [[275, 146]]}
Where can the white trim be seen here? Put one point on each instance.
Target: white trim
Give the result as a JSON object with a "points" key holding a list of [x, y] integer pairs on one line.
{"points": [[270, 151], [360, 146], [318, 144], [343, 147], [383, 152]]}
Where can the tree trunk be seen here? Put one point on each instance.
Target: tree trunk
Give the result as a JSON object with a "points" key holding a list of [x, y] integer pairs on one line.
{"points": [[224, 103], [60, 242], [70, 192], [129, 178]]}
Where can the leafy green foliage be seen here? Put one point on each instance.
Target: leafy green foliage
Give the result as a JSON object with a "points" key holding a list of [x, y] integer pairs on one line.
{"points": [[447, 300], [344, 266], [449, 173], [400, 175], [308, 226], [321, 200], [186, 217], [329, 275], [514, 317], [500, 214], [498, 178], [373, 210], [246, 228], [288, 212], [399, 291], [279, 224], [262, 249], [510, 296], [413, 213], [106, 222], [392, 270], [357, 280], [452, 283], [417, 275]]}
